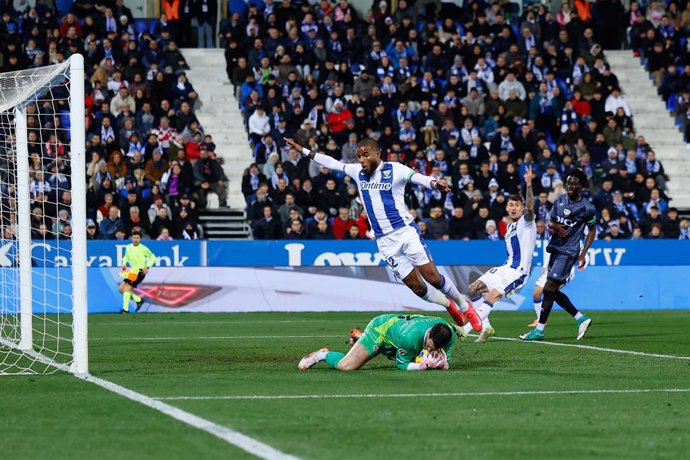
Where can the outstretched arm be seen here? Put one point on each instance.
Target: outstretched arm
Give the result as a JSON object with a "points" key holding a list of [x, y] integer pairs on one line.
{"points": [[323, 160], [429, 182], [529, 195]]}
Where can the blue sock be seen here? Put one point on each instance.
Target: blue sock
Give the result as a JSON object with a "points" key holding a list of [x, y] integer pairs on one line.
{"points": [[333, 358]]}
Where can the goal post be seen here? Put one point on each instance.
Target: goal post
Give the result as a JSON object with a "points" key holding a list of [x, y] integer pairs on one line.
{"points": [[43, 297]]}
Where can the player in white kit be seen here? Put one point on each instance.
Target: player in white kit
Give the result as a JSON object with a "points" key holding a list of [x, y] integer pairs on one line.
{"points": [[521, 238], [382, 190]]}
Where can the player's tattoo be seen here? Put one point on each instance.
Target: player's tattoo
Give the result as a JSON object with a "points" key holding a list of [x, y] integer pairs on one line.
{"points": [[529, 202], [477, 289]]}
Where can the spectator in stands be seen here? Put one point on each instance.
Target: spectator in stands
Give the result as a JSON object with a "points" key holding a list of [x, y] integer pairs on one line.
{"points": [[437, 226], [109, 225], [92, 230], [342, 223], [323, 231], [209, 177], [296, 231], [268, 227]]}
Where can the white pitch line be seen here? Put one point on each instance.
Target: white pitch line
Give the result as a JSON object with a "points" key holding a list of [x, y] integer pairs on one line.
{"points": [[590, 347], [237, 439], [219, 337], [244, 442], [185, 323], [424, 395]]}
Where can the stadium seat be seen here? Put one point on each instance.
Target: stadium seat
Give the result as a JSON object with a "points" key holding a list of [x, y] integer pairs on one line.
{"points": [[140, 26], [63, 6]]}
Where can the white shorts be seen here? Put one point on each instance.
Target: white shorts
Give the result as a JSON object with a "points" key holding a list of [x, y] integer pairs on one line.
{"points": [[403, 250], [544, 273], [504, 279]]}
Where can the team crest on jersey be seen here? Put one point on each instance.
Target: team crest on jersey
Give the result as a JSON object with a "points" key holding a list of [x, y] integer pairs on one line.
{"points": [[566, 211], [386, 174]]}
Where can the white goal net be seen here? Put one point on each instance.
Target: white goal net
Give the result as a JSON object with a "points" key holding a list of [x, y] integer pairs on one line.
{"points": [[43, 220]]}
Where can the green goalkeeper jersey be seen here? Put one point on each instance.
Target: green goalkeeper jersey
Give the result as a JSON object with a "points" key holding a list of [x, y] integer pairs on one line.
{"points": [[400, 337], [138, 257]]}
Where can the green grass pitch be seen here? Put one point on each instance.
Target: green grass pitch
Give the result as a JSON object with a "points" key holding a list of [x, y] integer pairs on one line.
{"points": [[221, 356]]}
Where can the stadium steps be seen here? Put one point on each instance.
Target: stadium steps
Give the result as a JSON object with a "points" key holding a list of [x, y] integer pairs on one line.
{"points": [[220, 116], [655, 123], [224, 224]]}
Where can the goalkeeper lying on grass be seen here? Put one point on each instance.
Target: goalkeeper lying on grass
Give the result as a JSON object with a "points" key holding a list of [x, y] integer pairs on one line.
{"points": [[400, 338]]}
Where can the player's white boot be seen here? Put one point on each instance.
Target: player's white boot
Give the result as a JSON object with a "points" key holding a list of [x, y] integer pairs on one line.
{"points": [[312, 359], [583, 326], [485, 334]]}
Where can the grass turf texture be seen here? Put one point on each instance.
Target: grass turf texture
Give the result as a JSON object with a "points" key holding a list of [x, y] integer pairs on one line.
{"points": [[170, 355]]}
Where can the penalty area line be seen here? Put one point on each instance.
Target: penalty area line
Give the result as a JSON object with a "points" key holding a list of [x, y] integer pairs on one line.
{"points": [[425, 395]]}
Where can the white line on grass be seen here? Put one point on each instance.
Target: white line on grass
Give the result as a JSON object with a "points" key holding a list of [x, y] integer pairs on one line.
{"points": [[219, 337], [228, 435], [185, 323], [237, 439], [426, 395], [589, 347]]}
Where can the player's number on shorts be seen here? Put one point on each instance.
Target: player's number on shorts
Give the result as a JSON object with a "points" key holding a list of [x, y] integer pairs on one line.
{"points": [[493, 270], [391, 261]]}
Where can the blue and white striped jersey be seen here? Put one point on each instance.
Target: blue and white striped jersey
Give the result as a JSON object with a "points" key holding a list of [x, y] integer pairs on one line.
{"points": [[521, 237], [383, 195]]}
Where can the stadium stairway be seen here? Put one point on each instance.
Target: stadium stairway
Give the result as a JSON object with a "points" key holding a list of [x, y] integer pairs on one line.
{"points": [[655, 123], [220, 116]]}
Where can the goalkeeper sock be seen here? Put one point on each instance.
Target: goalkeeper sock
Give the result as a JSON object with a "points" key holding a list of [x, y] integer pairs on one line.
{"points": [[449, 289], [135, 297], [333, 358], [433, 295], [125, 300]]}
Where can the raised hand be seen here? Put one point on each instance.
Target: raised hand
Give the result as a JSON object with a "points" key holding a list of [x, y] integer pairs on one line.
{"points": [[529, 175], [291, 142], [442, 185]]}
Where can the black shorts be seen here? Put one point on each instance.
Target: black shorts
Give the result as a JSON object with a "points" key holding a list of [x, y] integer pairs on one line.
{"points": [[560, 266], [140, 278]]}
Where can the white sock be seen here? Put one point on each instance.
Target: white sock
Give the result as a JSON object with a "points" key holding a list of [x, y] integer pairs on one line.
{"points": [[537, 308], [541, 327], [449, 289], [578, 316], [433, 295], [483, 312]]}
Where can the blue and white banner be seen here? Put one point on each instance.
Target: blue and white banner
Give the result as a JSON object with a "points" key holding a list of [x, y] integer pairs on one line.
{"points": [[364, 253], [105, 253], [334, 253]]}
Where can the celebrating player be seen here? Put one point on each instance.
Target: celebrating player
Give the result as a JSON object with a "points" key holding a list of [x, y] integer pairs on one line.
{"points": [[569, 216], [140, 259], [521, 237], [381, 188], [400, 338]]}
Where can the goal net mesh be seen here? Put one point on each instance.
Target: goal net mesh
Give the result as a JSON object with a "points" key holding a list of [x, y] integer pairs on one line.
{"points": [[35, 154]]}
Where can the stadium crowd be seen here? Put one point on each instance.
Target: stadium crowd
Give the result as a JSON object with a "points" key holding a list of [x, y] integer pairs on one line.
{"points": [[150, 165], [474, 94]]}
